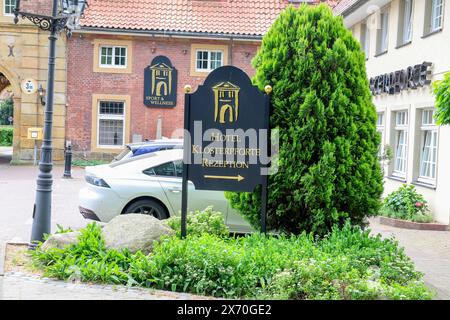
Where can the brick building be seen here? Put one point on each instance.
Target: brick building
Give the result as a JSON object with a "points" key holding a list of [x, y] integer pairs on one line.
{"points": [[119, 40]]}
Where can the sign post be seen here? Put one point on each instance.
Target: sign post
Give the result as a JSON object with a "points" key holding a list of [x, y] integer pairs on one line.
{"points": [[226, 137]]}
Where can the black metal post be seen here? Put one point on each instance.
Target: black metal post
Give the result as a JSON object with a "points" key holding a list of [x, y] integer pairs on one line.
{"points": [[186, 159], [42, 214], [68, 163]]}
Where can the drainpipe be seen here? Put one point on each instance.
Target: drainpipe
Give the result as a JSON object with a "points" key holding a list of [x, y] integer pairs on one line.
{"points": [[230, 50]]}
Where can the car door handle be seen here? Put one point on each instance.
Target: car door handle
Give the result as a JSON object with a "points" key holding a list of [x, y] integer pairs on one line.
{"points": [[175, 190]]}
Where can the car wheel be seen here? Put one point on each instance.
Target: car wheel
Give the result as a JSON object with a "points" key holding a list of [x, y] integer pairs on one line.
{"points": [[147, 206]]}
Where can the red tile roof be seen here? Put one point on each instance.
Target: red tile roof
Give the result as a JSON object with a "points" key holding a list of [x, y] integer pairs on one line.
{"points": [[232, 17]]}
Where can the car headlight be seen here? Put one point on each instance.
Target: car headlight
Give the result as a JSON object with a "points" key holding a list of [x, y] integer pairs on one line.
{"points": [[96, 182]]}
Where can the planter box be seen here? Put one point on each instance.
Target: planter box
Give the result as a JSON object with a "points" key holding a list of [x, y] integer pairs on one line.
{"points": [[405, 224]]}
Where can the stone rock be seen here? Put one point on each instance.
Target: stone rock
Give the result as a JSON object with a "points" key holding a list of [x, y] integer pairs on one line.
{"points": [[60, 240], [134, 232]]}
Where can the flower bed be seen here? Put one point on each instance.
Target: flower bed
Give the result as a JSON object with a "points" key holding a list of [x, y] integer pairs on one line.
{"points": [[347, 264], [406, 204], [405, 224]]}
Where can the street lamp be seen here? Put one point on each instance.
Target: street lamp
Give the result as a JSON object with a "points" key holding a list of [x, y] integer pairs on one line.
{"points": [[66, 15]]}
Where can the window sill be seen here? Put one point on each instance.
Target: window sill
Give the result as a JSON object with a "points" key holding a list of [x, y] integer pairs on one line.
{"points": [[401, 179], [403, 44], [431, 33], [380, 53], [423, 184]]}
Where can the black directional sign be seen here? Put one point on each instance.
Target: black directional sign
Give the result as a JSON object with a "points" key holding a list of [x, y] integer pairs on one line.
{"points": [[160, 83], [228, 122]]}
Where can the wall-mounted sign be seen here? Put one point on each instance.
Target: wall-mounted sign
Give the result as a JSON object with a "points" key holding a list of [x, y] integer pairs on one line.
{"points": [[226, 136], [394, 82], [35, 133], [29, 86], [160, 83]]}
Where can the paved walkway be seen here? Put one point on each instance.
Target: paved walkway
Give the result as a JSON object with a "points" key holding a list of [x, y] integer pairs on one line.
{"points": [[430, 251], [18, 194], [19, 286]]}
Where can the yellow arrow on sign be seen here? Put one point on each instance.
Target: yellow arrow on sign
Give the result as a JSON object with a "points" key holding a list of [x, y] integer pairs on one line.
{"points": [[238, 177]]}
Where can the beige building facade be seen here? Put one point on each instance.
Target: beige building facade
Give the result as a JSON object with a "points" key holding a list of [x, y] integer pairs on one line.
{"points": [[23, 68], [407, 46]]}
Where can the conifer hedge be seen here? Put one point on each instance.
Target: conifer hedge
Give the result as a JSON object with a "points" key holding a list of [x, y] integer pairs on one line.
{"points": [[321, 103]]}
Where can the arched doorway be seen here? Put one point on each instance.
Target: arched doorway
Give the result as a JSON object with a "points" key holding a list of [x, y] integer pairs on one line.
{"points": [[9, 116]]}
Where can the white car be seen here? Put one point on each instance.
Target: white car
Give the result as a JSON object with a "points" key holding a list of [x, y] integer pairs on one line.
{"points": [[148, 184]]}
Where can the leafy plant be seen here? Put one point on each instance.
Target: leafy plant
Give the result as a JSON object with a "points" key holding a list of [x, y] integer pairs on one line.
{"points": [[322, 107], [405, 203], [6, 136], [199, 222], [442, 92]]}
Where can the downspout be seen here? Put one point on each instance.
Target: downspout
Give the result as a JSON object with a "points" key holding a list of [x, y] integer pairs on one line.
{"points": [[230, 50]]}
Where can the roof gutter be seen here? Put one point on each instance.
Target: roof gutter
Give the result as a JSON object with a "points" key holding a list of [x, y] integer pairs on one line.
{"points": [[352, 8], [172, 34]]}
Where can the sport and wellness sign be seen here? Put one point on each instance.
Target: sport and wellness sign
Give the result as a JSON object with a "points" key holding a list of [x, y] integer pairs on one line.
{"points": [[226, 135], [394, 82], [160, 83]]}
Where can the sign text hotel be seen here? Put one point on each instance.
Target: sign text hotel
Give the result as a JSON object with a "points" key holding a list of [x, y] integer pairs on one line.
{"points": [[394, 82]]}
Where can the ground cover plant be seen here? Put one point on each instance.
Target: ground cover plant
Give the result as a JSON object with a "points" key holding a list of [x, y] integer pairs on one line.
{"points": [[346, 264], [407, 204], [321, 104]]}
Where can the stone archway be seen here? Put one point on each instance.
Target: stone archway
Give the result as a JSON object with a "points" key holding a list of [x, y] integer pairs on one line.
{"points": [[14, 83]]}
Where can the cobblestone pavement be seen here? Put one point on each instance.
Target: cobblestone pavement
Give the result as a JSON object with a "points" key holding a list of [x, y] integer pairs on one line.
{"points": [[19, 286], [17, 196], [430, 251]]}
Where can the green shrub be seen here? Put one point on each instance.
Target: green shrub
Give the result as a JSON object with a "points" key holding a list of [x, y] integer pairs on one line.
{"points": [[6, 136], [442, 93], [347, 264], [322, 106], [206, 221], [405, 203]]}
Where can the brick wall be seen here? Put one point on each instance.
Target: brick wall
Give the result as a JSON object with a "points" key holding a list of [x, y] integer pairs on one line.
{"points": [[83, 83]]}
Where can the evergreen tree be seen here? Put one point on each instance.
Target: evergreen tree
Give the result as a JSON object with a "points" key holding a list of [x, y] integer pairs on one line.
{"points": [[322, 106]]}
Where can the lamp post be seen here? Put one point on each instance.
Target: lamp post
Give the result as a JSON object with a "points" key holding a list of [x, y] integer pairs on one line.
{"points": [[66, 15]]}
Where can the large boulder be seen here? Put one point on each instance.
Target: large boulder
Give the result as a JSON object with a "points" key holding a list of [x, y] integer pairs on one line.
{"points": [[60, 240], [134, 232]]}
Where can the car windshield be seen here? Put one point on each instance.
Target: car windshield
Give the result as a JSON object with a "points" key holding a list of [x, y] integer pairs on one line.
{"points": [[122, 154]]}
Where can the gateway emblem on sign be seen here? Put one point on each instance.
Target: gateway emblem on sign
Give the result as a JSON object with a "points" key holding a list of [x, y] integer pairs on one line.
{"points": [[226, 100]]}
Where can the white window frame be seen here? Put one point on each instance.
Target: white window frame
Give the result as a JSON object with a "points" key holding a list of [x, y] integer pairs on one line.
{"points": [[431, 128], [381, 130], [209, 51], [365, 38], [407, 20], [4, 8], [110, 117], [383, 44], [401, 125], [113, 56], [437, 14]]}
